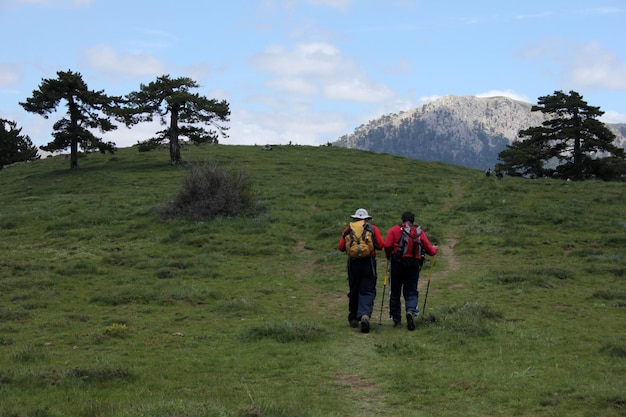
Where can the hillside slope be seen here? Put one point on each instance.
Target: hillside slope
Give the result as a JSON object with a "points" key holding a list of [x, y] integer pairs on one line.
{"points": [[105, 310]]}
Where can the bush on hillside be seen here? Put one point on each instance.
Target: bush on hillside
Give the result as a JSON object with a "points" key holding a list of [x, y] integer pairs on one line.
{"points": [[210, 191], [148, 145]]}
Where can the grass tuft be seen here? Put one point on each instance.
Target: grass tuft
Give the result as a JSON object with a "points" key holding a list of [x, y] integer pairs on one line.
{"points": [[610, 294], [406, 348], [469, 319], [99, 374], [543, 277], [10, 314], [6, 341], [118, 330], [285, 332], [123, 296], [29, 354], [615, 347]]}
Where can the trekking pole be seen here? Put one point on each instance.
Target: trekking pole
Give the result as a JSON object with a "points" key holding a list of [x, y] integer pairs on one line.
{"points": [[385, 279], [430, 275]]}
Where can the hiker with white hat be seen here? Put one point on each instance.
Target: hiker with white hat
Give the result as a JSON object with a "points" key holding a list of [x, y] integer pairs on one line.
{"points": [[359, 240]]}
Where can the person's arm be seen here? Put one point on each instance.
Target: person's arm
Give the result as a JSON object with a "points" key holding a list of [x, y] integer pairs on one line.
{"points": [[378, 237], [390, 241], [430, 249], [342, 242]]}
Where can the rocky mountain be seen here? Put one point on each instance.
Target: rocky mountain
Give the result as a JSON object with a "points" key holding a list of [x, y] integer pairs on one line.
{"points": [[461, 130]]}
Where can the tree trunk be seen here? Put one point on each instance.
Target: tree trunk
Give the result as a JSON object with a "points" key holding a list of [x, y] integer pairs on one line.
{"points": [[578, 168], [74, 155], [73, 109], [175, 158]]}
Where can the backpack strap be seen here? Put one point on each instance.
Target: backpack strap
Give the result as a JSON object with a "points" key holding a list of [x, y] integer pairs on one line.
{"points": [[401, 241], [417, 248], [370, 229]]}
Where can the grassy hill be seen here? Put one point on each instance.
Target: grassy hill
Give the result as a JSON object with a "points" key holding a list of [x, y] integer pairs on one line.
{"points": [[107, 311]]}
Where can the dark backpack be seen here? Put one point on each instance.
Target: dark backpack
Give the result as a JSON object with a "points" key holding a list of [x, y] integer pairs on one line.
{"points": [[410, 250]]}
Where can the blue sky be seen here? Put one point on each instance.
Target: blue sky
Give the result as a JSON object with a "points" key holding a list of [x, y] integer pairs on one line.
{"points": [[309, 71]]}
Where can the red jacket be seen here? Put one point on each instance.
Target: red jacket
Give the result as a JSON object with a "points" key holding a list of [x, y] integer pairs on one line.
{"points": [[379, 242], [393, 240]]}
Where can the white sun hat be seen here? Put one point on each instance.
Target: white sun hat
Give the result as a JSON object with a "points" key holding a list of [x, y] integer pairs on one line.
{"points": [[361, 214]]}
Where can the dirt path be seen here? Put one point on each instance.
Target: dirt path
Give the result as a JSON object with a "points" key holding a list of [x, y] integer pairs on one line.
{"points": [[450, 261], [446, 255], [446, 263]]}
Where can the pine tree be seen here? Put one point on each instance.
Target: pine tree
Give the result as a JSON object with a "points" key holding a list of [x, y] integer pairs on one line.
{"points": [[15, 147], [86, 109], [167, 97], [573, 137]]}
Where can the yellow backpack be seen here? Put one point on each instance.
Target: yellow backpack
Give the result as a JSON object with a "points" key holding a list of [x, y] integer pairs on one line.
{"points": [[359, 240]]}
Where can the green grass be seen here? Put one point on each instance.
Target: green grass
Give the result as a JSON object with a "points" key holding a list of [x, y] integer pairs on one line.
{"points": [[105, 310]]}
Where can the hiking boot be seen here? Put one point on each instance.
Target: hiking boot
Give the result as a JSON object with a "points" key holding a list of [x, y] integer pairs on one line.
{"points": [[365, 324], [410, 323], [397, 324], [354, 323]]}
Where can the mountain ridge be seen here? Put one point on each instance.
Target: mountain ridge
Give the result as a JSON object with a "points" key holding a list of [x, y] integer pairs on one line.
{"points": [[462, 130]]}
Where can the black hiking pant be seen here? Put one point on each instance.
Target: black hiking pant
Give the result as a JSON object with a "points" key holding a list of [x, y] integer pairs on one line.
{"points": [[362, 287]]}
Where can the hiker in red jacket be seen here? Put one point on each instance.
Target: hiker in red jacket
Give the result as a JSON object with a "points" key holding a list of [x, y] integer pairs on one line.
{"points": [[359, 240], [406, 261]]}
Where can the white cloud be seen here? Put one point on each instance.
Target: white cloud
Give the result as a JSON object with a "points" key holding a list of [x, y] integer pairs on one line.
{"points": [[290, 4], [581, 66], [338, 4], [319, 66], [293, 85], [316, 58], [427, 99], [403, 66], [359, 90], [251, 134], [105, 58], [505, 93], [125, 137], [613, 117], [9, 75], [596, 67], [36, 127], [295, 125]]}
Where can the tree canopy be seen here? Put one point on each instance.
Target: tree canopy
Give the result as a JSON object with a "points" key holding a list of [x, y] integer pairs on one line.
{"points": [[15, 147], [86, 110], [180, 110], [571, 140]]}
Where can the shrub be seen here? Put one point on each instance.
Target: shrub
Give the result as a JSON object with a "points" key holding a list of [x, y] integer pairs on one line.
{"points": [[149, 145], [210, 191]]}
